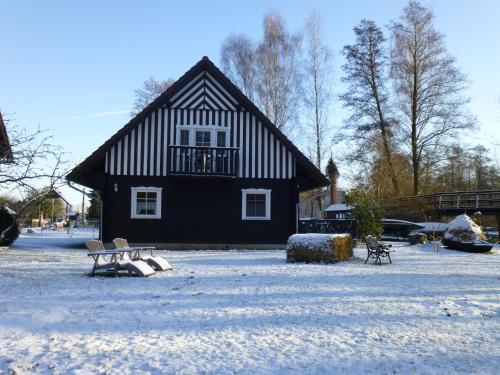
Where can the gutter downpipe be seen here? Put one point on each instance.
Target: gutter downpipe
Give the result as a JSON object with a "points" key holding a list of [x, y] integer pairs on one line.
{"points": [[297, 208], [89, 196]]}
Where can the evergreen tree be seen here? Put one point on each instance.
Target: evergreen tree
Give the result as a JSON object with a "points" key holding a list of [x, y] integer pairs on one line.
{"points": [[94, 209], [367, 211]]}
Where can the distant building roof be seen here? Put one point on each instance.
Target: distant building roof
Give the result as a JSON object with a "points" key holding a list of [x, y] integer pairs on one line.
{"points": [[339, 207], [5, 148], [72, 213], [56, 195]]}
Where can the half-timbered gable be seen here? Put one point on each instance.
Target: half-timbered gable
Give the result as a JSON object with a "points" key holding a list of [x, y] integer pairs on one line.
{"points": [[201, 164], [202, 107]]}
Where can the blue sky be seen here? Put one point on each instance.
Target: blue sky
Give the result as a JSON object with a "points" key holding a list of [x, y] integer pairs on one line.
{"points": [[73, 66]]}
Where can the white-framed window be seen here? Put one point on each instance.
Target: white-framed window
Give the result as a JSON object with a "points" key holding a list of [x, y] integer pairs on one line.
{"points": [[146, 202], [255, 204], [202, 135]]}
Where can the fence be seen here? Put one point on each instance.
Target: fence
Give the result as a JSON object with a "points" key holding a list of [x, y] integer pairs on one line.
{"points": [[327, 226]]}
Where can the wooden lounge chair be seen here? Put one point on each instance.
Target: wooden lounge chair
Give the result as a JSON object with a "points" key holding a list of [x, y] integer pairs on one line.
{"points": [[377, 251], [157, 262], [102, 261], [119, 261]]}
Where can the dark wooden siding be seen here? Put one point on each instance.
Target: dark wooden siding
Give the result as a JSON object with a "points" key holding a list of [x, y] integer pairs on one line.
{"points": [[199, 210]]}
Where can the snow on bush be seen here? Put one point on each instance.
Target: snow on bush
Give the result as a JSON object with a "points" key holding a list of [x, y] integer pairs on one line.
{"points": [[464, 229], [9, 230], [316, 247]]}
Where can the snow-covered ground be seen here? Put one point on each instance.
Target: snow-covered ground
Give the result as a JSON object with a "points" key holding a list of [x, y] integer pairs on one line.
{"points": [[248, 312]]}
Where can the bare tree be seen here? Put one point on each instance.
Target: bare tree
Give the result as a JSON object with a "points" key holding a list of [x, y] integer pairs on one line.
{"points": [[268, 72], [149, 92], [317, 87], [238, 62], [36, 169], [428, 85], [366, 96], [278, 71]]}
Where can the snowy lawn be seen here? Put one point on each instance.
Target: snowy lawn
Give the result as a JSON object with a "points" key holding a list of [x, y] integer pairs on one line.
{"points": [[249, 312]]}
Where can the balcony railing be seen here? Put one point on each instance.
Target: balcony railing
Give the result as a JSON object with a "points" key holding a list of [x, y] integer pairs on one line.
{"points": [[205, 161]]}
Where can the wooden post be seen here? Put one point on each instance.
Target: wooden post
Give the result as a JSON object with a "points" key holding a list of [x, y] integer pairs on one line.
{"points": [[498, 225]]}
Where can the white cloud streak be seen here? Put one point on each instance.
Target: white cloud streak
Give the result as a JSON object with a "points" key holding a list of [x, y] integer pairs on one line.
{"points": [[101, 114]]}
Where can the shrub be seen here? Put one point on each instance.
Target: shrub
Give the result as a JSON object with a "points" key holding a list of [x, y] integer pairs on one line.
{"points": [[367, 211], [318, 248], [417, 238], [7, 217]]}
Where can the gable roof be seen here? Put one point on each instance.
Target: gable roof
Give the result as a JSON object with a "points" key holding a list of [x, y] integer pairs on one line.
{"points": [[204, 92], [174, 95], [5, 148]]}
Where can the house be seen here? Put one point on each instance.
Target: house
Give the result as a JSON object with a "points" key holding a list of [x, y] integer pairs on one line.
{"points": [[5, 147], [338, 211], [200, 166], [71, 218]]}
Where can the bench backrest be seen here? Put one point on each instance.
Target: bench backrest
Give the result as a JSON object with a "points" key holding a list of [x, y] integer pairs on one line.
{"points": [[371, 242], [96, 245], [122, 243]]}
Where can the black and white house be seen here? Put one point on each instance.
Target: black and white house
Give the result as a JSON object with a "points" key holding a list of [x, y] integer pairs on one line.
{"points": [[201, 165]]}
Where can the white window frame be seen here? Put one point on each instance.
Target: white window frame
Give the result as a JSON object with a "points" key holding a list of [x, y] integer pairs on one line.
{"points": [[213, 129], [244, 193], [145, 189]]}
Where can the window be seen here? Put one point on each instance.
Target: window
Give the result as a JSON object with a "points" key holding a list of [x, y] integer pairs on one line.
{"points": [[221, 139], [256, 204], [184, 137], [202, 135], [202, 138], [146, 203]]}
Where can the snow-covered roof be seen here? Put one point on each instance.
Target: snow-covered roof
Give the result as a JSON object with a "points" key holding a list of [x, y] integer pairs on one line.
{"points": [[9, 211], [400, 222], [339, 207], [433, 226]]}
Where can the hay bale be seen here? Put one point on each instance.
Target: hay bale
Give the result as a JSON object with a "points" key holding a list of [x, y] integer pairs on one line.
{"points": [[417, 238], [318, 248]]}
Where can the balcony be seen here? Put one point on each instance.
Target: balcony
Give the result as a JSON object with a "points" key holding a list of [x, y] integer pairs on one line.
{"points": [[204, 161]]}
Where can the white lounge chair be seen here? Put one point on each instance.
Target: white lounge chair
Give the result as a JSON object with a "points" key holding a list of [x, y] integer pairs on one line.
{"points": [[119, 260], [102, 260], [157, 262]]}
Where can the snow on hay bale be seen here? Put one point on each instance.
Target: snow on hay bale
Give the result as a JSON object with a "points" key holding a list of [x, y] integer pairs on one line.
{"points": [[316, 247], [464, 229]]}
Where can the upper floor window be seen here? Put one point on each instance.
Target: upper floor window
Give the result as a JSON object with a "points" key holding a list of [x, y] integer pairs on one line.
{"points": [[146, 203], [202, 138], [202, 135], [184, 137], [221, 139]]}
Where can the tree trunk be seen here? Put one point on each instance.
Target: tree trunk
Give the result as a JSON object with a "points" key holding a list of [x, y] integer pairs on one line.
{"points": [[414, 149], [385, 136]]}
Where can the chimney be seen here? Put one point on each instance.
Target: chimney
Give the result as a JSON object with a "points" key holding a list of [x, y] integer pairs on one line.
{"points": [[333, 175]]}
